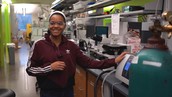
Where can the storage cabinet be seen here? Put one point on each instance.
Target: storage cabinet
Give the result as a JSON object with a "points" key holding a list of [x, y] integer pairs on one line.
{"points": [[117, 94], [85, 82], [90, 85], [80, 82]]}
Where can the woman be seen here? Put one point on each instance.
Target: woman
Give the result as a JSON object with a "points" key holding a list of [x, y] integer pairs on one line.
{"points": [[53, 60]]}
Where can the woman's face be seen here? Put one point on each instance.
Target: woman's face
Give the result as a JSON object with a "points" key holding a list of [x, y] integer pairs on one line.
{"points": [[56, 25]]}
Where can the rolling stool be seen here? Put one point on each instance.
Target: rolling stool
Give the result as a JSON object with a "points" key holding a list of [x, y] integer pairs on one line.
{"points": [[7, 93]]}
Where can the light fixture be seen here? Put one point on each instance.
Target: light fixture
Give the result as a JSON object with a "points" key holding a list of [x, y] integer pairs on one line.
{"points": [[56, 1], [28, 8], [24, 11], [8, 1]]}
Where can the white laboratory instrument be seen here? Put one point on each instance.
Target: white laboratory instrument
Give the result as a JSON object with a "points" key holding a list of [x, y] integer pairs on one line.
{"points": [[122, 72]]}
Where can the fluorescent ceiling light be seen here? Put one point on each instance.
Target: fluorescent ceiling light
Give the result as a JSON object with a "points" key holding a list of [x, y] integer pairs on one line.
{"points": [[56, 1], [30, 8], [8, 1]]}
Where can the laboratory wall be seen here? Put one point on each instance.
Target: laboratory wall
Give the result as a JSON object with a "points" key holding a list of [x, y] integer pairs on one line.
{"points": [[1, 49], [5, 31]]}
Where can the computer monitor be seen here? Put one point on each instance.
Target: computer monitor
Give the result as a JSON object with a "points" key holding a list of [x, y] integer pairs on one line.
{"points": [[122, 72], [101, 30], [90, 31], [145, 35]]}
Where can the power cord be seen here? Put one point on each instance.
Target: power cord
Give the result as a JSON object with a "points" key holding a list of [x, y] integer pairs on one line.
{"points": [[156, 9], [96, 82], [112, 71]]}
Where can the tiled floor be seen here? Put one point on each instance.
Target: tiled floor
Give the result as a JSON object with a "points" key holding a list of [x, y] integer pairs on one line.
{"points": [[15, 77]]}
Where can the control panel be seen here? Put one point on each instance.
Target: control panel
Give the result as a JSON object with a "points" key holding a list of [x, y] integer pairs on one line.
{"points": [[122, 72]]}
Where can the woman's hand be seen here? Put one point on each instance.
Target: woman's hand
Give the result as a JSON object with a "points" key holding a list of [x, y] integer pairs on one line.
{"points": [[58, 65], [120, 57]]}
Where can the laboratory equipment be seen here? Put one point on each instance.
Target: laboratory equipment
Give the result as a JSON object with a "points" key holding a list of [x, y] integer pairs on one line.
{"points": [[122, 72]]}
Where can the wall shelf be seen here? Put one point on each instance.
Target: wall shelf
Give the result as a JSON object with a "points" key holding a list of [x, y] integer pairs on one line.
{"points": [[104, 4], [62, 4], [126, 14], [140, 12]]}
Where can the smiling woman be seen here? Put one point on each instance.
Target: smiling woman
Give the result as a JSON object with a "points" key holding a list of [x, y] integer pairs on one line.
{"points": [[53, 60]]}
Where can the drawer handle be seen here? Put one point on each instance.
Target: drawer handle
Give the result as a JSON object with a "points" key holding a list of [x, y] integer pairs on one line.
{"points": [[81, 89]]}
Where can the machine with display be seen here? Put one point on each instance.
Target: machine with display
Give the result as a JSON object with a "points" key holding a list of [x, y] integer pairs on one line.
{"points": [[122, 72]]}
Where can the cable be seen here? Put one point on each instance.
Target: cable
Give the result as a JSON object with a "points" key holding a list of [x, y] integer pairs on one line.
{"points": [[105, 79], [96, 82], [163, 2], [167, 5], [156, 9]]}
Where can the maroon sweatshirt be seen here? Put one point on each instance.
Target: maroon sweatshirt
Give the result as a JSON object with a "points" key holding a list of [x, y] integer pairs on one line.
{"points": [[44, 52]]}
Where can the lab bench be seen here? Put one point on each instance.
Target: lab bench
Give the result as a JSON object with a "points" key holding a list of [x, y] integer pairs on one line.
{"points": [[85, 81]]}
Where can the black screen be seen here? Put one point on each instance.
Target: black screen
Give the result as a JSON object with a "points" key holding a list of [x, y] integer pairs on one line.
{"points": [[145, 35], [90, 31], [102, 30]]}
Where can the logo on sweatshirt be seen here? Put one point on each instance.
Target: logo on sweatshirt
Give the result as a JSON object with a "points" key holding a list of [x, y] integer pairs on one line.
{"points": [[68, 51]]}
